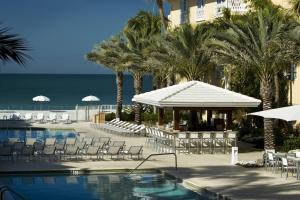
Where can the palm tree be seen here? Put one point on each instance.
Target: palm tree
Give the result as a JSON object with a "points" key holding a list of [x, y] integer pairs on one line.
{"points": [[160, 5], [12, 47], [187, 47], [296, 6], [110, 53], [139, 32], [260, 44]]}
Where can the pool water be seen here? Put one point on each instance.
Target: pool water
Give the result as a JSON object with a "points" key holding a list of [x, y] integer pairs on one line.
{"points": [[96, 187], [39, 134]]}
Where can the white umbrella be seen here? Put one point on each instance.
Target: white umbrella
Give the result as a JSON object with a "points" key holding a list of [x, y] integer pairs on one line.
{"points": [[90, 98], [41, 99], [289, 113]]}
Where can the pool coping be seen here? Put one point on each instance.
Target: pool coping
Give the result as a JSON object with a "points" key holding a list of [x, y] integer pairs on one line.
{"points": [[201, 190]]}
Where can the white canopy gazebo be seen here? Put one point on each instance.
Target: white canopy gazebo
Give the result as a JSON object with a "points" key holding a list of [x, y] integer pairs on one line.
{"points": [[195, 95]]}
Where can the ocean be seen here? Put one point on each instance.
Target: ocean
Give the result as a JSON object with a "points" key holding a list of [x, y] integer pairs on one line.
{"points": [[65, 91]]}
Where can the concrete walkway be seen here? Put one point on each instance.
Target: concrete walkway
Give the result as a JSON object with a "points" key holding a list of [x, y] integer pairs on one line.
{"points": [[212, 172]]}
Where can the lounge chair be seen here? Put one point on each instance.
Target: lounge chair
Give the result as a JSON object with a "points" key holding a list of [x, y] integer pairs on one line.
{"points": [[70, 141], [113, 151], [17, 147], [65, 118], [40, 118], [52, 118], [5, 152], [50, 142], [38, 148], [30, 141], [49, 151], [16, 116], [27, 151], [28, 117], [80, 145], [118, 144], [70, 151], [135, 151], [93, 151]]}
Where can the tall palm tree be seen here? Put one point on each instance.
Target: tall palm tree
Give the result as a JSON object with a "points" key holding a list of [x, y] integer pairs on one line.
{"points": [[139, 32], [110, 53], [260, 44], [186, 44], [160, 5], [12, 47]]}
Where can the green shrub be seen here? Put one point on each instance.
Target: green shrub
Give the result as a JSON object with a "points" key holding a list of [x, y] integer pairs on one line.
{"points": [[149, 117], [127, 116], [110, 116], [291, 144]]}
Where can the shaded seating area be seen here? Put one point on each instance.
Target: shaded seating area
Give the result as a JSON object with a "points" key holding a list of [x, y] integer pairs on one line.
{"points": [[197, 98], [83, 148]]}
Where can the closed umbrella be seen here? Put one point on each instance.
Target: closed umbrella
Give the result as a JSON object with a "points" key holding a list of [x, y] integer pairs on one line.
{"points": [[40, 99], [289, 113], [90, 98]]}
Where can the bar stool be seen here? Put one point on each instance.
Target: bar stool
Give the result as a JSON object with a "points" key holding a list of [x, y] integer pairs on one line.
{"points": [[206, 142]]}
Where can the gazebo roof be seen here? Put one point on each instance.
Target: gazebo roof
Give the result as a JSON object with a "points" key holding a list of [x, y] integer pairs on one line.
{"points": [[195, 94]]}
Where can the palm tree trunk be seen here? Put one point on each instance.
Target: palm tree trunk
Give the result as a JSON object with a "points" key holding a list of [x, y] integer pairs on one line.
{"points": [[138, 85], [160, 6], [119, 82], [277, 91], [266, 94]]}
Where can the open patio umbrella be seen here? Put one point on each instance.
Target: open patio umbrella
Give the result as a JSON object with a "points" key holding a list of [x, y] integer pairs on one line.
{"points": [[289, 113], [40, 99], [90, 98]]}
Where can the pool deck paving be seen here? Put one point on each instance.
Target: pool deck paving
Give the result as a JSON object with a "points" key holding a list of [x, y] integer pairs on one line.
{"points": [[211, 172]]}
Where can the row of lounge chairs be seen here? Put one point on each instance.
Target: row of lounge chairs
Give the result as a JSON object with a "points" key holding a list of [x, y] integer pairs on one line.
{"points": [[70, 148], [121, 127], [39, 117]]}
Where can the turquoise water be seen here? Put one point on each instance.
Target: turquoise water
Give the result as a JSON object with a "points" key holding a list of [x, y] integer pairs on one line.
{"points": [[39, 134], [65, 91], [96, 187]]}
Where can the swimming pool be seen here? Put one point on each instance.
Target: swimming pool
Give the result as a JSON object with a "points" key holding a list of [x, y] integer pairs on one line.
{"points": [[95, 186], [39, 134]]}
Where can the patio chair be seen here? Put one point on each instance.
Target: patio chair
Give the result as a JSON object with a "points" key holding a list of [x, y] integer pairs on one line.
{"points": [[52, 118], [182, 143], [5, 152], [88, 141], [230, 140], [286, 167], [135, 151], [30, 141], [16, 116], [105, 140], [81, 146], [40, 118], [59, 148], [50, 141], [65, 118], [271, 162]]}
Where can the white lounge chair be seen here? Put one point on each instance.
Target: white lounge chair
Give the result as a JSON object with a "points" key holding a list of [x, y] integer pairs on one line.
{"points": [[40, 118], [28, 117], [65, 118], [52, 118]]}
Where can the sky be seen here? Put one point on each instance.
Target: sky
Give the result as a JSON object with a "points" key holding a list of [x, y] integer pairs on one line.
{"points": [[60, 32]]}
